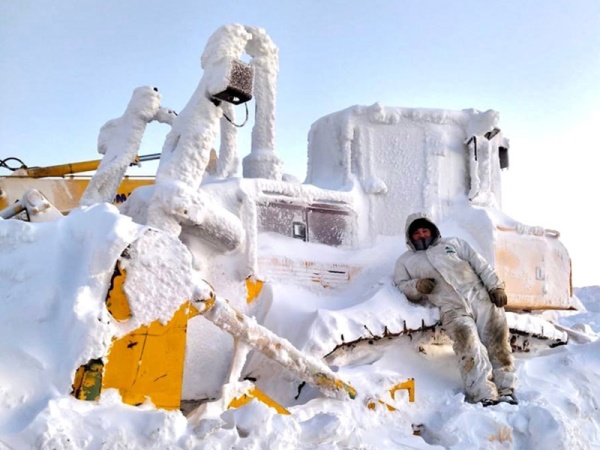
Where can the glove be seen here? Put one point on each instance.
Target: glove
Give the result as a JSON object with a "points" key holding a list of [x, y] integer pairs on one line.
{"points": [[498, 297], [425, 285]]}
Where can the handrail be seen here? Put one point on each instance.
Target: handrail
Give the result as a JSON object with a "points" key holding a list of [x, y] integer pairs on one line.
{"points": [[537, 231]]}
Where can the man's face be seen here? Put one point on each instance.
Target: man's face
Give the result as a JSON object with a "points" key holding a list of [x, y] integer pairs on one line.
{"points": [[421, 233]]}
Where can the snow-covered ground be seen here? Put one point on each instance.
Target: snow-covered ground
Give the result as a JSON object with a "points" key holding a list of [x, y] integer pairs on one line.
{"points": [[52, 280]]}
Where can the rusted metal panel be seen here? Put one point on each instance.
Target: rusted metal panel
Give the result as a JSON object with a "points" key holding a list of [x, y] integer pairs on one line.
{"points": [[536, 269], [283, 270], [87, 384]]}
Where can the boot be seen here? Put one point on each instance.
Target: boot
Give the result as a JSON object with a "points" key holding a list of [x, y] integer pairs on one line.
{"points": [[510, 398], [488, 402]]}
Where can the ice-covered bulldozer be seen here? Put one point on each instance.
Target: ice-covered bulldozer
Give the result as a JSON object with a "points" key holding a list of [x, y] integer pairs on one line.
{"points": [[449, 164], [277, 248], [157, 284], [369, 167]]}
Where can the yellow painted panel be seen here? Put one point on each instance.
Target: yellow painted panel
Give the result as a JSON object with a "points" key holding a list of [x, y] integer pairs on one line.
{"points": [[116, 300], [328, 382], [63, 193], [88, 380], [372, 405], [148, 362], [253, 287], [409, 385], [259, 395], [128, 185], [535, 268]]}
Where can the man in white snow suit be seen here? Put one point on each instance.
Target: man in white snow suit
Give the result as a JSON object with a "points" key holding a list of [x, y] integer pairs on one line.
{"points": [[451, 275]]}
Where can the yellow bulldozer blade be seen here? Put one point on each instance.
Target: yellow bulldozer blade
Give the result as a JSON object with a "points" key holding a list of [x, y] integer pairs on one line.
{"points": [[145, 364], [148, 362]]}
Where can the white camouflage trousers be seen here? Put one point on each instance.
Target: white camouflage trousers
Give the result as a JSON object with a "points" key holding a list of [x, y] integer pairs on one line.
{"points": [[481, 342]]}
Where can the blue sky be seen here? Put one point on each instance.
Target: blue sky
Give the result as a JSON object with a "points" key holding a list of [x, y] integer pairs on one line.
{"points": [[66, 67]]}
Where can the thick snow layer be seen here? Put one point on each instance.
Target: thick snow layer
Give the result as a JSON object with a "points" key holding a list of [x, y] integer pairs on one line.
{"points": [[53, 281], [186, 150], [262, 162], [53, 278], [365, 141], [158, 266], [342, 309]]}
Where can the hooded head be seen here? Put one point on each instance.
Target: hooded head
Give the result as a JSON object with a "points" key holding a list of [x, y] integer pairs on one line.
{"points": [[415, 222]]}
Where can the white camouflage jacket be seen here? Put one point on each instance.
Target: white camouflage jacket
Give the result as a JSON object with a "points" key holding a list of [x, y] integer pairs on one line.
{"points": [[462, 275]]}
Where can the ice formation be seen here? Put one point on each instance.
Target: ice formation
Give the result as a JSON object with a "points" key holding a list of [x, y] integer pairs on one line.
{"points": [[406, 159], [187, 147], [119, 141]]}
